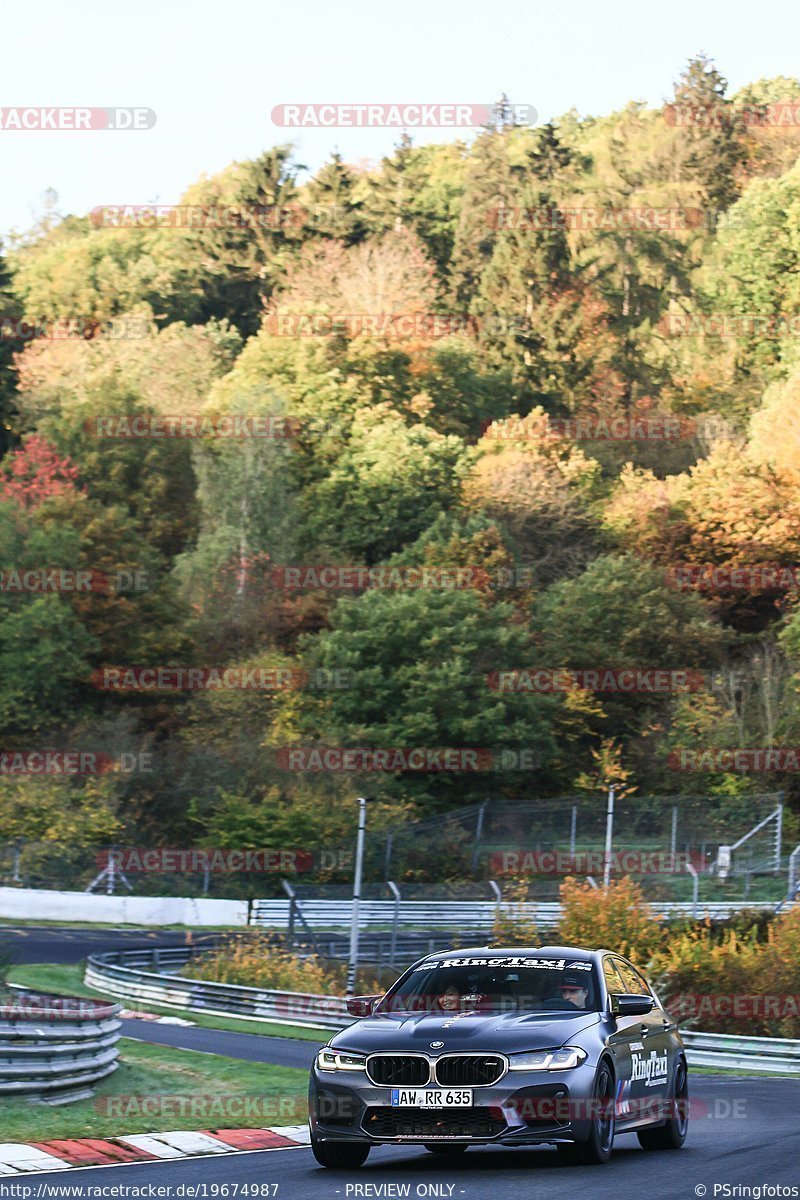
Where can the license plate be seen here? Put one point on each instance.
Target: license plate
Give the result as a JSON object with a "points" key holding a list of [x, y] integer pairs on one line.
{"points": [[431, 1098]]}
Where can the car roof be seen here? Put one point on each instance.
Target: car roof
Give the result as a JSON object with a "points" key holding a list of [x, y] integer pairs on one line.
{"points": [[568, 952]]}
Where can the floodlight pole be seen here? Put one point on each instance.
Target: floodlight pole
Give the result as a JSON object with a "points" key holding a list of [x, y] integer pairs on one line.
{"points": [[353, 961], [609, 838]]}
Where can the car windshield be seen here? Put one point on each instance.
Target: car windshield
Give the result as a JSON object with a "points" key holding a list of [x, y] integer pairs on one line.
{"points": [[507, 983]]}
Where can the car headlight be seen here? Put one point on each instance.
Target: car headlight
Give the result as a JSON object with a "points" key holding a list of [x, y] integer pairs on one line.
{"points": [[339, 1060], [548, 1060]]}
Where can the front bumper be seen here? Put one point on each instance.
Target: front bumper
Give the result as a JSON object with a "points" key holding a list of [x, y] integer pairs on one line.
{"points": [[522, 1108]]}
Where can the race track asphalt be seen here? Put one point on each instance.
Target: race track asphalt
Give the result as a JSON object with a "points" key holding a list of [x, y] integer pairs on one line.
{"points": [[54, 944], [750, 1136], [281, 1052]]}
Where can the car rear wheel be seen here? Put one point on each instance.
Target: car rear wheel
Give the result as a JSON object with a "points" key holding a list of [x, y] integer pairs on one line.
{"points": [[344, 1155], [598, 1146], [672, 1134], [444, 1148]]}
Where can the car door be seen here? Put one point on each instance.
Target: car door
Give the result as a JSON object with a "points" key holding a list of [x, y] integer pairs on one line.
{"points": [[652, 1057], [624, 1036]]}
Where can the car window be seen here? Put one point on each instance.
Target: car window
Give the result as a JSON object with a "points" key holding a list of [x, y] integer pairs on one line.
{"points": [[644, 986], [613, 981], [630, 978], [524, 982]]}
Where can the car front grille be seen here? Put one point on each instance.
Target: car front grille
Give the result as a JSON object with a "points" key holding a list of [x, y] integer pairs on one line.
{"points": [[385, 1122], [398, 1070], [469, 1070]]}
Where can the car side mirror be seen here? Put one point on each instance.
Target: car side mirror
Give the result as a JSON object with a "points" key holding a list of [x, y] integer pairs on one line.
{"points": [[361, 1006], [625, 1004]]}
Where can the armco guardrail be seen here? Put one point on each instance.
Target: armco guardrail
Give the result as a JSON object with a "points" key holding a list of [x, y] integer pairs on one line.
{"points": [[778, 1055], [122, 973], [56, 1047], [107, 973], [472, 917]]}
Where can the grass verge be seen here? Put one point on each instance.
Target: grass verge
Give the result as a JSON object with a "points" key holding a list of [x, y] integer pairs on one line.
{"points": [[158, 1088]]}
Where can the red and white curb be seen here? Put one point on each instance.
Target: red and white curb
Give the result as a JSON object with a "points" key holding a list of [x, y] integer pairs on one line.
{"points": [[56, 1155]]}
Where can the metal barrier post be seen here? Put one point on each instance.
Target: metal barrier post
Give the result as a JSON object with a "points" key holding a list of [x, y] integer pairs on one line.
{"points": [[395, 890], [695, 887]]}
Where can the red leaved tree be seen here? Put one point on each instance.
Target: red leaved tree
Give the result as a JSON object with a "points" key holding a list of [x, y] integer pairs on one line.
{"points": [[35, 473]]}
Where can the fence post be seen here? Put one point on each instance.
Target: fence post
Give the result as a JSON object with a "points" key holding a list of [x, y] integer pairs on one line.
{"points": [[15, 878], [673, 840], [498, 896], [395, 890], [573, 825], [290, 892], [388, 855], [792, 873], [779, 837], [478, 835]]}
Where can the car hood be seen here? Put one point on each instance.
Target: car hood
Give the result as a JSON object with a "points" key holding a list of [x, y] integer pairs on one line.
{"points": [[505, 1032]]}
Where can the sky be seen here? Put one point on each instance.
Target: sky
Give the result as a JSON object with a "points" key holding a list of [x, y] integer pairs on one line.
{"points": [[213, 72]]}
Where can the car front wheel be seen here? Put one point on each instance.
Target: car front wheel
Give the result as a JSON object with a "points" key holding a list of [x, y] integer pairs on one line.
{"points": [[344, 1155], [598, 1146]]}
